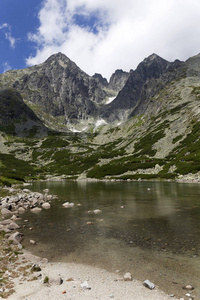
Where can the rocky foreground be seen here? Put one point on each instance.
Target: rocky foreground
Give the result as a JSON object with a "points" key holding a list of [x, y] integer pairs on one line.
{"points": [[24, 276]]}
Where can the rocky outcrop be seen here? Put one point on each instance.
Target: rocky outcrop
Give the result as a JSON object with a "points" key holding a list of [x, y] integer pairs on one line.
{"points": [[23, 201], [62, 95], [103, 81], [16, 117], [118, 80], [59, 88], [140, 85]]}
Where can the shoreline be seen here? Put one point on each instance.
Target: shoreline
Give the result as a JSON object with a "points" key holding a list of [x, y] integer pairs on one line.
{"points": [[27, 284], [76, 281]]}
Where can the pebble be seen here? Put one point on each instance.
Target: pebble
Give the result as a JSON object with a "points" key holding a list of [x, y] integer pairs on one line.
{"points": [[188, 287], [85, 286], [32, 242], [127, 277], [149, 284]]}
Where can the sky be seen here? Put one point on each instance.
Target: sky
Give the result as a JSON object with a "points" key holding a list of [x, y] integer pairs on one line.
{"points": [[100, 36]]}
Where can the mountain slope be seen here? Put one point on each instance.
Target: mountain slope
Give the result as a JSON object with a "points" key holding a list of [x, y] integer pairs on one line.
{"points": [[16, 117], [57, 88], [142, 84], [159, 137]]}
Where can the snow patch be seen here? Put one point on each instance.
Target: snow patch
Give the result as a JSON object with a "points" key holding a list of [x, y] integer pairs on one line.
{"points": [[100, 122], [75, 130], [110, 99]]}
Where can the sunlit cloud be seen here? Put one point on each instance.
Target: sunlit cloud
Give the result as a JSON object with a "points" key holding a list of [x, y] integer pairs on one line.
{"points": [[102, 36]]}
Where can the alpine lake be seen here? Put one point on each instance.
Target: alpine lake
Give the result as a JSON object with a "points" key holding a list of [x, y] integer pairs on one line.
{"points": [[150, 229]]}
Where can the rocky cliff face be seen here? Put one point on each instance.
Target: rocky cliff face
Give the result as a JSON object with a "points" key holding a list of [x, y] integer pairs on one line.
{"points": [[62, 89], [58, 88], [60, 93], [118, 80], [141, 84]]}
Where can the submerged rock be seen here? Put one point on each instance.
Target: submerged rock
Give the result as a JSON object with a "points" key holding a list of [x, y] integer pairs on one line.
{"points": [[68, 204], [36, 210]]}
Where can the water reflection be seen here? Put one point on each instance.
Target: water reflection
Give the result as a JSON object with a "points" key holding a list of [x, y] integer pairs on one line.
{"points": [[147, 228], [152, 215]]}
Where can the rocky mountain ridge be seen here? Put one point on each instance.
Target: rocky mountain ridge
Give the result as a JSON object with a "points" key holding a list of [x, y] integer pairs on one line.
{"points": [[149, 129], [60, 89]]}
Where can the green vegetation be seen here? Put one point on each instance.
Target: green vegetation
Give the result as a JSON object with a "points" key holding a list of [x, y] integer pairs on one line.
{"points": [[144, 145], [54, 141], [13, 170], [46, 280]]}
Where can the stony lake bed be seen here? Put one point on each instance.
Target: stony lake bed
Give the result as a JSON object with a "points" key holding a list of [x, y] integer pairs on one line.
{"points": [[149, 229]]}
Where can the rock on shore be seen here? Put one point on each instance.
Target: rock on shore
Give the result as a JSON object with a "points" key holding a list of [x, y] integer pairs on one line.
{"points": [[23, 200]]}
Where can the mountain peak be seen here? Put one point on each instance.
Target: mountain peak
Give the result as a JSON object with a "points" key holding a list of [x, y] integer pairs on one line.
{"points": [[153, 57], [60, 58]]}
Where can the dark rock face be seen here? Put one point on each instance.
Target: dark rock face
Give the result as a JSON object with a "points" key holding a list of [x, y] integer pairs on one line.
{"points": [[140, 85], [13, 108], [62, 89], [59, 88], [13, 111], [103, 81], [118, 80]]}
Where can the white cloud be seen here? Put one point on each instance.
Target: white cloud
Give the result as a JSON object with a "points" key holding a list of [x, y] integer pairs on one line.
{"points": [[8, 35], [6, 67], [121, 33]]}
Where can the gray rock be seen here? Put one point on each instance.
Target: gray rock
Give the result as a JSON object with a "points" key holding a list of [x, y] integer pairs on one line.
{"points": [[149, 284], [16, 238], [21, 210], [13, 226], [127, 276], [5, 211], [36, 210], [46, 205]]}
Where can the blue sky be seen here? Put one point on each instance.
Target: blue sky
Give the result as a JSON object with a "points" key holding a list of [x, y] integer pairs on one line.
{"points": [[17, 17], [98, 35]]}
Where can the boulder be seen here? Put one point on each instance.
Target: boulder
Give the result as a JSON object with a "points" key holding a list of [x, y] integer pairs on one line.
{"points": [[5, 212], [68, 204], [36, 210], [21, 210], [46, 205], [13, 226], [16, 238]]}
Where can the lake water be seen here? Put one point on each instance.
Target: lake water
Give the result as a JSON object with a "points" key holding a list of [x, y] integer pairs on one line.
{"points": [[150, 229]]}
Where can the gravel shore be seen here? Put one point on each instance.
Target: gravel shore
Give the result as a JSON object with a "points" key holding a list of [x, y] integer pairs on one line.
{"points": [[75, 281]]}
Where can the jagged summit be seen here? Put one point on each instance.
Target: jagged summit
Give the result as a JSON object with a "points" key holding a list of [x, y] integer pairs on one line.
{"points": [[153, 57], [60, 89], [62, 59]]}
